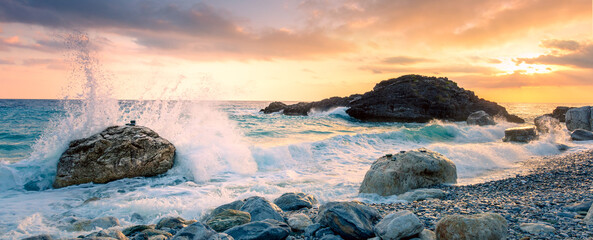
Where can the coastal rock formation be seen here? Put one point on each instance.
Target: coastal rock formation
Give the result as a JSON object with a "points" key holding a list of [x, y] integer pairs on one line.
{"points": [[274, 107], [487, 226], [480, 118], [579, 118], [409, 98], [399, 173], [351, 220], [581, 135], [398, 225], [520, 134], [546, 124], [115, 153], [228, 219], [295, 201], [266, 229]]}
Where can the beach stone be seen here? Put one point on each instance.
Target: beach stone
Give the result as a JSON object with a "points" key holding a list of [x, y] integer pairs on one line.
{"points": [[579, 118], [546, 124], [350, 220], [261, 209], [221, 236], [92, 224], [195, 231], [581, 135], [311, 229], [520, 134], [129, 231], [536, 228], [422, 194], [115, 234], [299, 221], [327, 234], [115, 153], [398, 225], [295, 201], [580, 206], [266, 229], [589, 217], [173, 223], [480, 118], [228, 219], [399, 173], [426, 235], [39, 237], [479, 226], [236, 205]]}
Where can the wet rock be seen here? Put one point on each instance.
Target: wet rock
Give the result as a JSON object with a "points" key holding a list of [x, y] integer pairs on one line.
{"points": [[236, 205], [311, 229], [195, 231], [228, 219], [115, 153], [546, 124], [520, 134], [129, 231], [562, 147], [426, 235], [351, 220], [478, 226], [398, 225], [579, 118], [173, 223], [266, 229], [589, 217], [221, 236], [580, 206], [115, 234], [299, 221], [261, 209], [274, 107], [581, 135], [537, 228], [92, 224], [295, 201], [304, 109], [480, 118], [40, 237], [402, 172], [422, 194]]}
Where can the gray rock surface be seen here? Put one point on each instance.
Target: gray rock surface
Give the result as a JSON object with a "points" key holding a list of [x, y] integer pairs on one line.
{"points": [[480, 118], [92, 224], [581, 135], [351, 220], [295, 201], [268, 229], [261, 209], [520, 134], [195, 231], [402, 172], [228, 219], [40, 237], [173, 223], [537, 228], [487, 226], [129, 231], [115, 153], [221, 236], [589, 217], [398, 225], [112, 233], [422, 194], [299, 221], [546, 124], [236, 205], [579, 118]]}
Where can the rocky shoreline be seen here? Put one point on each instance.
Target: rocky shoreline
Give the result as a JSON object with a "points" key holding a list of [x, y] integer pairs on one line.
{"points": [[548, 202]]}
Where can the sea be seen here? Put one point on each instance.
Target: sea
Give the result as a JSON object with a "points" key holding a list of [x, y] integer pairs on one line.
{"points": [[225, 151]]}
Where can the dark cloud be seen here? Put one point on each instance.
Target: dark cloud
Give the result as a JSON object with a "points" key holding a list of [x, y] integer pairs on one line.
{"points": [[405, 60], [561, 44], [582, 58]]}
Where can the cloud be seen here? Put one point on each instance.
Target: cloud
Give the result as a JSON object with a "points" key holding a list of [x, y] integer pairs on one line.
{"points": [[6, 62], [405, 60], [561, 44], [581, 57], [438, 70], [518, 79]]}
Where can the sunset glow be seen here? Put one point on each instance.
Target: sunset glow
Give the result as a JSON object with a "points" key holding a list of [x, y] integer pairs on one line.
{"points": [[301, 49]]}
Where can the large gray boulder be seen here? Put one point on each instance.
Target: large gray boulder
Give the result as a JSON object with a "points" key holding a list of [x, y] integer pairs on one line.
{"points": [[487, 226], [261, 209], [520, 134], [351, 220], [268, 229], [399, 173], [195, 231], [398, 225], [581, 135], [228, 219], [115, 153], [295, 201], [480, 118], [579, 118]]}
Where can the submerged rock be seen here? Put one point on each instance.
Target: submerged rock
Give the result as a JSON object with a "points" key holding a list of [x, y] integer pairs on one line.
{"points": [[479, 226], [228, 219], [260, 230], [402, 172], [115, 153], [295, 201], [581, 135], [398, 225], [480, 118], [351, 220], [520, 134]]}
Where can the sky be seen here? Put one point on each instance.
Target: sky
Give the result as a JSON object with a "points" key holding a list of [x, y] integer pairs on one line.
{"points": [[297, 50]]}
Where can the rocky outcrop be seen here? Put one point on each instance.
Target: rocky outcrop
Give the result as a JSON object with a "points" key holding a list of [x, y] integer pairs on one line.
{"points": [[115, 153], [274, 107], [398, 225], [581, 135], [480, 118], [399, 173], [487, 226], [351, 220], [579, 118], [409, 98], [295, 201], [520, 134]]}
